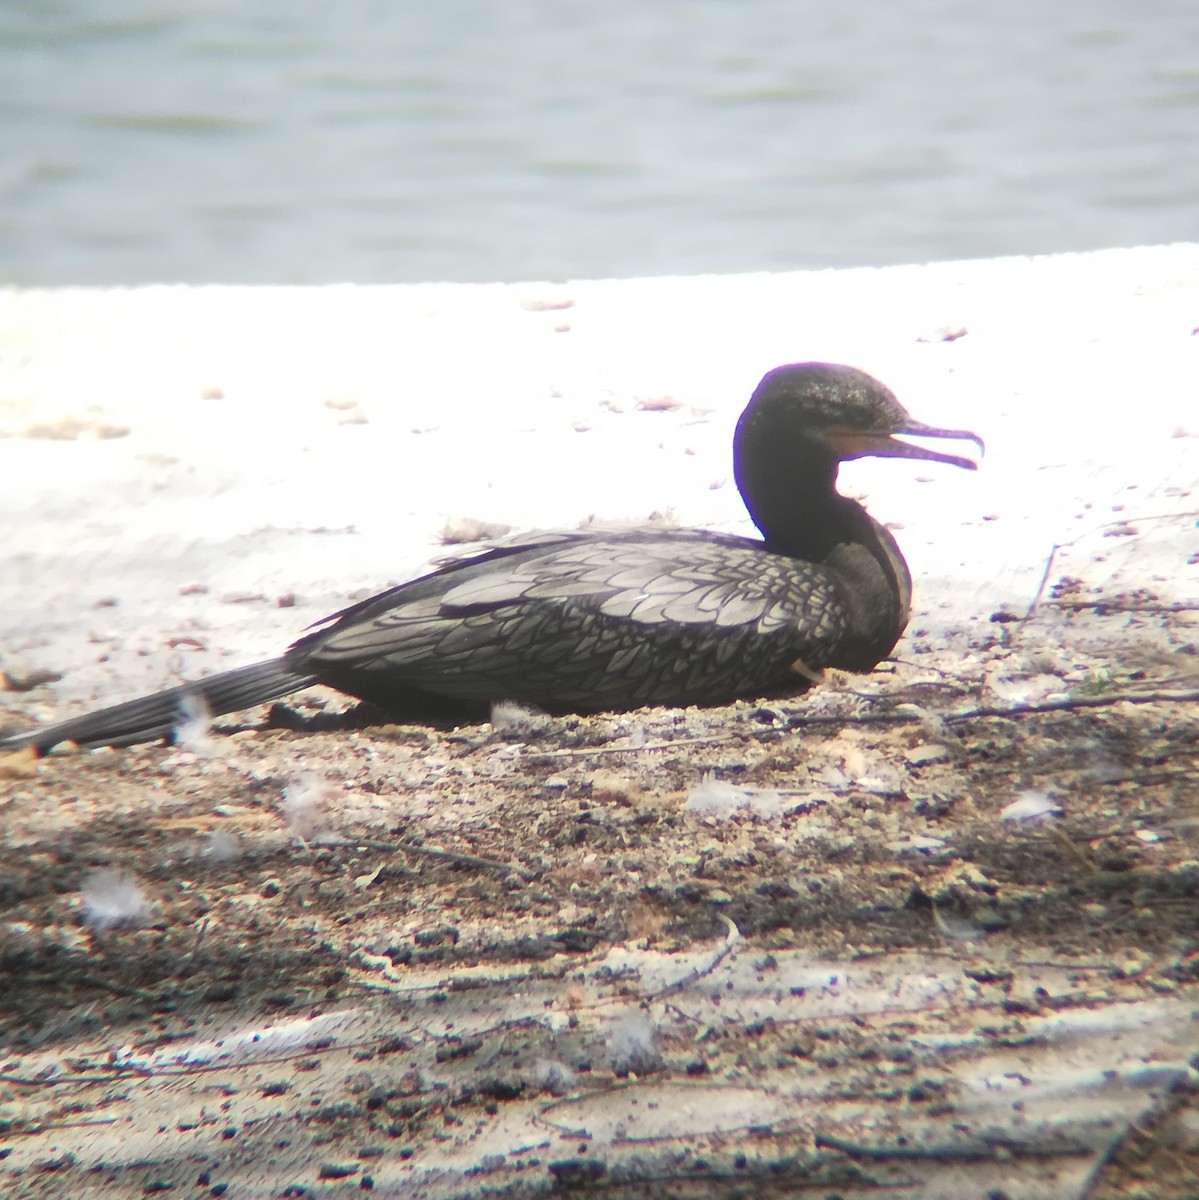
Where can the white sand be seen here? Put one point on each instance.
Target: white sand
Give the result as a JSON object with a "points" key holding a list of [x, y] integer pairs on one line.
{"points": [[258, 416]]}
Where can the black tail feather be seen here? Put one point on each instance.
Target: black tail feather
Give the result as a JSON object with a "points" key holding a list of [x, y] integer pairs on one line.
{"points": [[156, 715]]}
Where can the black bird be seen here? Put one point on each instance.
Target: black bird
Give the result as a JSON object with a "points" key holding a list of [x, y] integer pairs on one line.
{"points": [[585, 621]]}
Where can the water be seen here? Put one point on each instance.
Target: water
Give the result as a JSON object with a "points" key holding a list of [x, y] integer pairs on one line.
{"points": [[297, 141]]}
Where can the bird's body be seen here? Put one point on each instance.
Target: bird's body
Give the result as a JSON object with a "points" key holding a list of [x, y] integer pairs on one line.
{"points": [[590, 621], [585, 621]]}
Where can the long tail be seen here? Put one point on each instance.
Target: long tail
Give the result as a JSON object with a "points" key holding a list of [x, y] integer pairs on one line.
{"points": [[156, 715]]}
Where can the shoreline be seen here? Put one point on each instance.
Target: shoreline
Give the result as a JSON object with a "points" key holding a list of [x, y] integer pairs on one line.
{"points": [[194, 474]]}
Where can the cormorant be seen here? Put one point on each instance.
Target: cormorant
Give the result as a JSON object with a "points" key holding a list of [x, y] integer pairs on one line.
{"points": [[586, 621]]}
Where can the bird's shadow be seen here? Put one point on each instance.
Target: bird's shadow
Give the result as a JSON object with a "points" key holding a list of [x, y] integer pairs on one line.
{"points": [[362, 715]]}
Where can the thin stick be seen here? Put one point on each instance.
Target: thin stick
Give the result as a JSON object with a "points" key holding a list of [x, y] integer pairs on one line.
{"points": [[1032, 607], [1068, 704], [467, 860], [1073, 703], [1111, 606], [707, 740], [732, 937], [973, 1151]]}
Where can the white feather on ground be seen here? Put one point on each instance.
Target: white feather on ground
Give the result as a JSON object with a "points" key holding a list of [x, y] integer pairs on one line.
{"points": [[633, 1046], [112, 899], [193, 724], [508, 716], [1031, 806], [713, 797], [305, 807]]}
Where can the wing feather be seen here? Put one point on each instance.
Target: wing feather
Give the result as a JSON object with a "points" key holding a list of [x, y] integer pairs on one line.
{"points": [[593, 620]]}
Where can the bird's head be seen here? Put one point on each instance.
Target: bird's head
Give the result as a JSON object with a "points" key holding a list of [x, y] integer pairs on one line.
{"points": [[842, 411]]}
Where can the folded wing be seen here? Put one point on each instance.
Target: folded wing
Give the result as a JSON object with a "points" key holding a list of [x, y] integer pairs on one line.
{"points": [[592, 621]]}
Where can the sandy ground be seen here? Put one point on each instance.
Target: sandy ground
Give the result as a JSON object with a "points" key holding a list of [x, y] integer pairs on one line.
{"points": [[512, 960]]}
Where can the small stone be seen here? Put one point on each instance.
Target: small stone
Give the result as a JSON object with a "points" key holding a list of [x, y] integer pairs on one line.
{"points": [[918, 756], [459, 530], [944, 333], [612, 787], [339, 1170], [20, 765], [546, 303], [17, 680], [659, 404]]}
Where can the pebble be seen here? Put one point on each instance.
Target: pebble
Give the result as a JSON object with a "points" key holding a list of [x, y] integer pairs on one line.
{"points": [[921, 755]]}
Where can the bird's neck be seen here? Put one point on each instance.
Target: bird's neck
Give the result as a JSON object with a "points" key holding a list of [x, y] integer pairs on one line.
{"points": [[795, 504], [800, 513]]}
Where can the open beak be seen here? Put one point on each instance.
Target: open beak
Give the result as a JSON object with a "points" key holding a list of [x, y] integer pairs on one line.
{"points": [[860, 443]]}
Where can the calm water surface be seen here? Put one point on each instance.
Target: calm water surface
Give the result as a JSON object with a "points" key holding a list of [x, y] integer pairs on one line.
{"points": [[297, 141]]}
